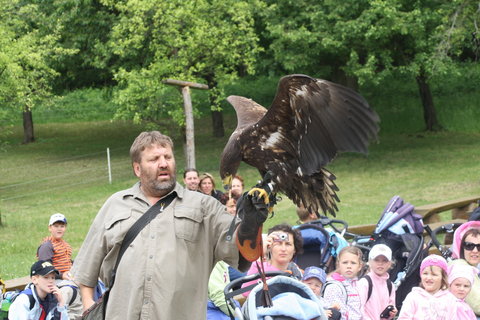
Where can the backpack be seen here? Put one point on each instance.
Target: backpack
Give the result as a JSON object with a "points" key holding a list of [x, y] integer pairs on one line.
{"points": [[74, 292], [340, 284], [10, 296], [370, 286]]}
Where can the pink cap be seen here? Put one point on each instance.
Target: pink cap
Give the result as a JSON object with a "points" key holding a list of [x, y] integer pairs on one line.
{"points": [[461, 271], [434, 260]]}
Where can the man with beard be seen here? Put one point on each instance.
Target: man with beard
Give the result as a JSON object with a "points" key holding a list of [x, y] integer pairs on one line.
{"points": [[164, 272]]}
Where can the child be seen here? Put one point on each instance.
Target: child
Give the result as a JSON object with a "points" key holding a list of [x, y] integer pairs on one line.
{"points": [[460, 281], [47, 300], [432, 300], [341, 286], [55, 249], [315, 277], [59, 252], [381, 289]]}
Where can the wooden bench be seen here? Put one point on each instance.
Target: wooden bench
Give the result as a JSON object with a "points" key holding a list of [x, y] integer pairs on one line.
{"points": [[430, 214], [16, 284]]}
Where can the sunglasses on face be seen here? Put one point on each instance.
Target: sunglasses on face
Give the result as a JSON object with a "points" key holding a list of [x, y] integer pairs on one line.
{"points": [[470, 246]]}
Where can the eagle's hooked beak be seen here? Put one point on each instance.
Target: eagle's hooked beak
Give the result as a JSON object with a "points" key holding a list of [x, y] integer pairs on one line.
{"points": [[227, 182]]}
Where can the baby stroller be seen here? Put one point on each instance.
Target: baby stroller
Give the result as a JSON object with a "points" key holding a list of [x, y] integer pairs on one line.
{"points": [[291, 299], [401, 229], [322, 240]]}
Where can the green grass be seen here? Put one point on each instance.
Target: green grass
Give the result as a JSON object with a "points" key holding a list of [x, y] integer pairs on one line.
{"points": [[422, 168], [65, 170]]}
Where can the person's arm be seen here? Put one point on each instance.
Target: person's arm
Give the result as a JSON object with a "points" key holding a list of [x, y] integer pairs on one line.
{"points": [[45, 251], [20, 308], [87, 296], [216, 284]]}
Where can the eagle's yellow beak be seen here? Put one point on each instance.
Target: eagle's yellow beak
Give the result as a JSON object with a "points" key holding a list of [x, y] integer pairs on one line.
{"points": [[227, 182]]}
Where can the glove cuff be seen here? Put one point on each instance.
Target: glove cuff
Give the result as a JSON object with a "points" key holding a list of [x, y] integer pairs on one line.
{"points": [[250, 243]]}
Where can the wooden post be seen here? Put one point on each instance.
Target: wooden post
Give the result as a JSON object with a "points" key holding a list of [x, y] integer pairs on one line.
{"points": [[189, 143]]}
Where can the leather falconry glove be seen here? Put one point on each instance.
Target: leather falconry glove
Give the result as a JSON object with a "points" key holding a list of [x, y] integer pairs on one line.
{"points": [[253, 208]]}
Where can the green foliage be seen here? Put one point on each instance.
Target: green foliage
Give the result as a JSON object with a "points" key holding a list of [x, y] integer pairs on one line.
{"points": [[198, 41], [25, 54], [369, 39], [82, 28]]}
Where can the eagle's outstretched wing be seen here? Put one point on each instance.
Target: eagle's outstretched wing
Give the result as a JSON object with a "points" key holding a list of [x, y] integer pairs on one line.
{"points": [[309, 122]]}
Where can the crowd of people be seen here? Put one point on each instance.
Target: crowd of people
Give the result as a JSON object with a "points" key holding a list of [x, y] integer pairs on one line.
{"points": [[179, 265]]}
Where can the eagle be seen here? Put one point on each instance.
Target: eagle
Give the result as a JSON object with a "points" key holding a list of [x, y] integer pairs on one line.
{"points": [[308, 123]]}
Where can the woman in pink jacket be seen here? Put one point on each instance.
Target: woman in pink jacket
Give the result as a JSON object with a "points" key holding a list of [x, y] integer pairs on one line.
{"points": [[432, 300]]}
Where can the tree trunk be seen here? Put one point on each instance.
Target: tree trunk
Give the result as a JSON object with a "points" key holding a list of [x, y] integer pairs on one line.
{"points": [[429, 112], [217, 124], [28, 135], [339, 76]]}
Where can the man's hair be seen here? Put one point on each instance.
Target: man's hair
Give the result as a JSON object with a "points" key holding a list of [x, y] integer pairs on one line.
{"points": [[189, 170], [145, 140]]}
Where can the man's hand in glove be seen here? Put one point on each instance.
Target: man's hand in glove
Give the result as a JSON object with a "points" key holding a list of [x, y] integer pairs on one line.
{"points": [[253, 210]]}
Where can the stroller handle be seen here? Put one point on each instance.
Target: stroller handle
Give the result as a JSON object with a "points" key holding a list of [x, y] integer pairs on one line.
{"points": [[446, 228], [326, 221]]}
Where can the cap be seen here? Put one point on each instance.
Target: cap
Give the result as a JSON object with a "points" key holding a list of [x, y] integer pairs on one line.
{"points": [[434, 260], [315, 272], [42, 267], [461, 271], [57, 217], [380, 250]]}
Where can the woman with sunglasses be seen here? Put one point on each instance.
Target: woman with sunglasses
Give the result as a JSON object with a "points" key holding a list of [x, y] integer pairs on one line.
{"points": [[466, 251]]}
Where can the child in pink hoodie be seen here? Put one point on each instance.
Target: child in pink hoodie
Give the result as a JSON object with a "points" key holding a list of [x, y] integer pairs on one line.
{"points": [[381, 289], [432, 300], [460, 279], [341, 285]]}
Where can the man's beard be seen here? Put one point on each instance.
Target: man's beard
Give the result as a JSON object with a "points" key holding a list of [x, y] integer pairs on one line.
{"points": [[164, 186]]}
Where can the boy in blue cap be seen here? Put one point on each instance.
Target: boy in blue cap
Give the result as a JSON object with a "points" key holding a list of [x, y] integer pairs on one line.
{"points": [[315, 277]]}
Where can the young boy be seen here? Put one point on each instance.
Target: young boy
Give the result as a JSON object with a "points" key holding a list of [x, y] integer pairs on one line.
{"points": [[59, 253], [55, 249], [315, 277], [42, 298]]}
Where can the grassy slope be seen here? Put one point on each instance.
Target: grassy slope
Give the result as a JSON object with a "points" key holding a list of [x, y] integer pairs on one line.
{"points": [[65, 170], [421, 168]]}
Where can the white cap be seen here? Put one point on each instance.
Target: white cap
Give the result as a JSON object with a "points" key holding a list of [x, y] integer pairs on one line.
{"points": [[380, 250], [57, 217]]}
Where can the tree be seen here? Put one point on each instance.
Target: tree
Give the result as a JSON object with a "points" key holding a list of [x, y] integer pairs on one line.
{"points": [[205, 41], [24, 54], [81, 26], [366, 39]]}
